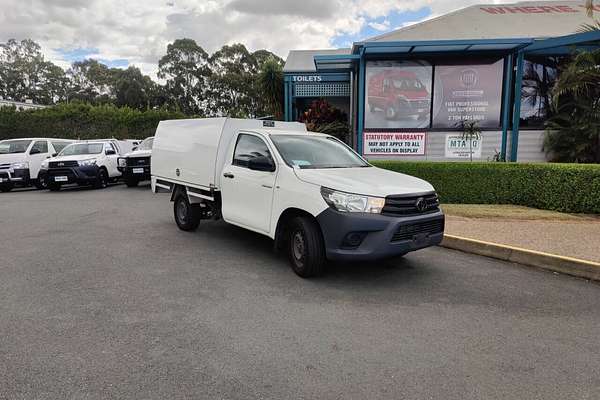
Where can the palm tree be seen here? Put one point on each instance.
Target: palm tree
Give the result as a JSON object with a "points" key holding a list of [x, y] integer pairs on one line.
{"points": [[573, 133], [270, 82]]}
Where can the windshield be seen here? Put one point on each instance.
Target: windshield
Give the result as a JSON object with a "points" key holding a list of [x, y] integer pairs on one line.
{"points": [[14, 146], [82, 148], [313, 152], [146, 144]]}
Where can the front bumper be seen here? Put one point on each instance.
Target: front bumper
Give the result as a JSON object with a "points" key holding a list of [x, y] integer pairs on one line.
{"points": [[141, 173], [382, 236], [18, 177], [81, 175]]}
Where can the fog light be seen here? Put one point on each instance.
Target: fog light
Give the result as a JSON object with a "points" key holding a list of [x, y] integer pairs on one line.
{"points": [[353, 239]]}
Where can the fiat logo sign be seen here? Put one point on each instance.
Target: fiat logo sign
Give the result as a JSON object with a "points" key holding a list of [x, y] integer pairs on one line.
{"points": [[469, 78]]}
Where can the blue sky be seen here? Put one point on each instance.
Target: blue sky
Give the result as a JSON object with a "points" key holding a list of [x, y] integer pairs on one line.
{"points": [[83, 53], [392, 21]]}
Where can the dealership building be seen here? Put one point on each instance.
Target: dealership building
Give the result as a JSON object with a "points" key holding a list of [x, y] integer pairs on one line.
{"points": [[407, 93]]}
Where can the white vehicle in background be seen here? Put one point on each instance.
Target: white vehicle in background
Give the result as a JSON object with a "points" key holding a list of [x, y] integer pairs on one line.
{"points": [[135, 166], [91, 162], [311, 193], [21, 161]]}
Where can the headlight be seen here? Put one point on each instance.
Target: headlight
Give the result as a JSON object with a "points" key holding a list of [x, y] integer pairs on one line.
{"points": [[349, 202], [83, 163], [122, 162], [44, 164], [20, 165]]}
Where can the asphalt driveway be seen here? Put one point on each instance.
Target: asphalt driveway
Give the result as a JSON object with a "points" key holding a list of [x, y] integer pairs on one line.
{"points": [[101, 296]]}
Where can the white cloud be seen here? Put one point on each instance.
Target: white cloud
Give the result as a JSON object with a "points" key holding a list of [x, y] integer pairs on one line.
{"points": [[139, 30], [383, 26]]}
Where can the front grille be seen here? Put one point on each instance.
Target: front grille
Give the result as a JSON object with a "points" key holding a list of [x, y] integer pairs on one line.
{"points": [[138, 161], [427, 228], [60, 164], [4, 175], [403, 205]]}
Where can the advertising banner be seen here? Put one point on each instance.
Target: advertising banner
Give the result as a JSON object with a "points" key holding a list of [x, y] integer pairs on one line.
{"points": [[394, 143], [398, 94], [457, 147], [468, 93]]}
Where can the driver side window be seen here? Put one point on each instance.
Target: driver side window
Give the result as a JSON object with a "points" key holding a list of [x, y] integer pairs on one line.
{"points": [[248, 147], [39, 147]]}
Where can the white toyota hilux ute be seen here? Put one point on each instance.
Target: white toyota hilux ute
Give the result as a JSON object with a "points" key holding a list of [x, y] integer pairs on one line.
{"points": [[91, 162], [21, 161], [311, 193]]}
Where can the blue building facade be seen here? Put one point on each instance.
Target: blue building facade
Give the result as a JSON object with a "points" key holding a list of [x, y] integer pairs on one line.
{"points": [[409, 93]]}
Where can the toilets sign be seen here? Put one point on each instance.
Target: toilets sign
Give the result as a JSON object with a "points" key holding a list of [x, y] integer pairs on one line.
{"points": [[307, 78]]}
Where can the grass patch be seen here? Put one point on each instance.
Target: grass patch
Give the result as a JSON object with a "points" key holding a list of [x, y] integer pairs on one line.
{"points": [[505, 211]]}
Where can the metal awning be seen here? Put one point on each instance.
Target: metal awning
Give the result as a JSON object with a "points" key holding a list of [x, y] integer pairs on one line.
{"points": [[442, 46], [335, 62], [564, 45]]}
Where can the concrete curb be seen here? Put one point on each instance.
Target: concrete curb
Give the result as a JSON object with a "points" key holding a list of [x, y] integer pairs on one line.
{"points": [[566, 265]]}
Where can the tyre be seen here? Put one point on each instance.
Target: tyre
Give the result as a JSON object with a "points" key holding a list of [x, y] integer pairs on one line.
{"points": [[187, 216], [54, 187], [101, 180], [390, 113], [41, 183], [306, 249], [6, 187], [131, 182]]}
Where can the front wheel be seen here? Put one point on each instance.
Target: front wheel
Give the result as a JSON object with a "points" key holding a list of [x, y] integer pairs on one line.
{"points": [[306, 249], [187, 216], [41, 183], [101, 180]]}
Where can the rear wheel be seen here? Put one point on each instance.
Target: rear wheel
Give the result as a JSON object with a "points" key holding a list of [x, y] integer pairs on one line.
{"points": [[6, 187], [101, 180], [306, 249], [187, 216]]}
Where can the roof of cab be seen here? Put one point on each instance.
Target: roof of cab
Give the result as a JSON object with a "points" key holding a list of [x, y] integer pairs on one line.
{"points": [[283, 132]]}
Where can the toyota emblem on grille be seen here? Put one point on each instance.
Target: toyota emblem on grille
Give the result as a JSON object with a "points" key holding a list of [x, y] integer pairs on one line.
{"points": [[61, 164], [421, 204]]}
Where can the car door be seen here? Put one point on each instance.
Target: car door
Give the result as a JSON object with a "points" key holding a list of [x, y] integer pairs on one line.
{"points": [[111, 159], [247, 195], [37, 154]]}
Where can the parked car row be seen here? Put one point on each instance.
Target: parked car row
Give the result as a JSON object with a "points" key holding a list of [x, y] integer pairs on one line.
{"points": [[313, 195], [53, 163]]}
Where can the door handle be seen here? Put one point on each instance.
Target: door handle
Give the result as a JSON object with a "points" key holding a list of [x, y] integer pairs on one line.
{"points": [[228, 175]]}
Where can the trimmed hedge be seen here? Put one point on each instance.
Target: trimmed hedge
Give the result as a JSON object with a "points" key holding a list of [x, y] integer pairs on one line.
{"points": [[573, 188], [82, 121]]}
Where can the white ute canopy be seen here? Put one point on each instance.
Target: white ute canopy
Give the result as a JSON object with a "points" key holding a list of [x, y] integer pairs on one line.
{"points": [[193, 151]]}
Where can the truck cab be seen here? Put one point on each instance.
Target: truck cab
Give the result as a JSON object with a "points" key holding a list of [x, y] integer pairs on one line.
{"points": [[84, 163], [21, 161], [317, 198], [135, 165]]}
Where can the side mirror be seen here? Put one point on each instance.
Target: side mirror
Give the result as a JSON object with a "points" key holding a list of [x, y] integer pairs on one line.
{"points": [[261, 164], [54, 154], [35, 151], [110, 152]]}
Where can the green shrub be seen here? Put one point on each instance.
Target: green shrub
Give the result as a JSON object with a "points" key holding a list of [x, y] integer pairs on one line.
{"points": [[82, 121], [561, 187]]}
